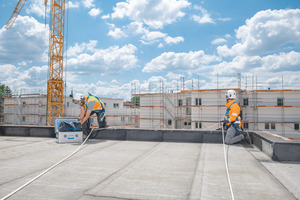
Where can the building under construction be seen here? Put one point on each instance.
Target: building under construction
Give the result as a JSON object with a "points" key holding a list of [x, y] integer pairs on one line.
{"points": [[30, 109], [275, 110]]}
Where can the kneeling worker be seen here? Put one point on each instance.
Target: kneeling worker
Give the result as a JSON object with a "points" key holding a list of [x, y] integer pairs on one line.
{"points": [[89, 105], [232, 119]]}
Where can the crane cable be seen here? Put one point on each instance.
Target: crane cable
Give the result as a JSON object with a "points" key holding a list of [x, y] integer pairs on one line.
{"points": [[226, 164], [66, 51], [47, 170]]}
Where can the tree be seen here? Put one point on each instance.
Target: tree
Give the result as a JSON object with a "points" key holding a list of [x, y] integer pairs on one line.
{"points": [[136, 100], [4, 90]]}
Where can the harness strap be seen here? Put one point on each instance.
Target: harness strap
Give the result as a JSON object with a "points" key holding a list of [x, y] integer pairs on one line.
{"points": [[227, 111], [232, 123]]}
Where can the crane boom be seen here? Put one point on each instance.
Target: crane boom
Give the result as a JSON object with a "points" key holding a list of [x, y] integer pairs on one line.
{"points": [[14, 15], [55, 92]]}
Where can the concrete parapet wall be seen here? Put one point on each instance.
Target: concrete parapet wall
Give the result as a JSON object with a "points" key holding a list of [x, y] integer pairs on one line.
{"points": [[122, 134], [158, 135], [24, 130], [277, 147]]}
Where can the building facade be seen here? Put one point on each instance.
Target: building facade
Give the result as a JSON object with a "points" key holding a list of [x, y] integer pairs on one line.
{"points": [[276, 111]]}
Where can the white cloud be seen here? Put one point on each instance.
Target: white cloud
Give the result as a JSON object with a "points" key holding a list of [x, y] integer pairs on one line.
{"points": [[218, 41], [260, 65], [152, 36], [19, 78], [238, 64], [224, 19], [193, 60], [160, 45], [204, 16], [27, 41], [23, 63], [88, 3], [73, 4], [94, 12], [36, 7], [227, 36], [267, 31], [79, 48], [112, 60], [174, 40], [135, 28], [174, 76], [132, 29], [155, 14], [34, 77], [148, 37], [104, 89], [7, 71], [282, 62], [100, 83], [107, 16], [115, 32]]}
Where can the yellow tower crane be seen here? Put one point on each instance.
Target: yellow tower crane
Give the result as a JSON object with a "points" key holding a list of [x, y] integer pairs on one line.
{"points": [[55, 89]]}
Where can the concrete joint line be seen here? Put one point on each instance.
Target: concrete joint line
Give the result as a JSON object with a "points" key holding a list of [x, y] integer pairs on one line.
{"points": [[197, 169], [104, 183], [272, 175], [105, 148]]}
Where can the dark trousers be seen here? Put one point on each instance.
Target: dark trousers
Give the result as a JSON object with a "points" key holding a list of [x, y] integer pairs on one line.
{"points": [[100, 118]]}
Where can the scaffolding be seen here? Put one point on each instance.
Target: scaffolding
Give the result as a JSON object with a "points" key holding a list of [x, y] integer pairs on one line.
{"points": [[22, 108], [262, 108], [28, 109]]}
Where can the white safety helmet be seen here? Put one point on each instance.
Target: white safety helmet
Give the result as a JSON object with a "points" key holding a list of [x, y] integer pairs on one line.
{"points": [[231, 94], [77, 98]]}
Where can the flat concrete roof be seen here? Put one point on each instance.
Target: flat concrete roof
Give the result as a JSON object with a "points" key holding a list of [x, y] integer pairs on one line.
{"points": [[120, 169]]}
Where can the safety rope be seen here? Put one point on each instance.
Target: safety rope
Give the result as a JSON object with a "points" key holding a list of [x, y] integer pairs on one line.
{"points": [[47, 170], [226, 165], [208, 128]]}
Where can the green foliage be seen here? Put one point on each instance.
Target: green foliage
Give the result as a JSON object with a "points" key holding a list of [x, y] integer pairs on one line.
{"points": [[2, 89], [135, 100], [5, 90]]}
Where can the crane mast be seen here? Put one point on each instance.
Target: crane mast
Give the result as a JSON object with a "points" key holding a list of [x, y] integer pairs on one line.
{"points": [[55, 92], [55, 86]]}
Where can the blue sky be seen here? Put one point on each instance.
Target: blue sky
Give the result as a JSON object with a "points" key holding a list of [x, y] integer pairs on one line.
{"points": [[112, 45]]}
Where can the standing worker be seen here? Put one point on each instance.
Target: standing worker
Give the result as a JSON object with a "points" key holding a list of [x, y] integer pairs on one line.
{"points": [[232, 119], [89, 105]]}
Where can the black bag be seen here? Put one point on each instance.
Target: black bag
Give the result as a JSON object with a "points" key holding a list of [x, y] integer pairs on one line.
{"points": [[69, 126]]}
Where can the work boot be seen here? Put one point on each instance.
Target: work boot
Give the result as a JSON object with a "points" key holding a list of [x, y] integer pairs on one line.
{"points": [[247, 137]]}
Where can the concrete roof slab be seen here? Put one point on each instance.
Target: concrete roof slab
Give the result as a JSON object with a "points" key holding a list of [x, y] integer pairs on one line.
{"points": [[111, 169]]}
